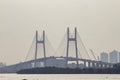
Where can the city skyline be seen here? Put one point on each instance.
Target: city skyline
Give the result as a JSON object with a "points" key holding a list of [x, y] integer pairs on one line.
{"points": [[97, 23], [111, 57]]}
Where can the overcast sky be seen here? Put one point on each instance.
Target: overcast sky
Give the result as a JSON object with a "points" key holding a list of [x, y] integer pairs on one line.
{"points": [[97, 21]]}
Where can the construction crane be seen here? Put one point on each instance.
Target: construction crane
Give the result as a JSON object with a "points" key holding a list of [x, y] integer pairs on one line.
{"points": [[93, 54]]}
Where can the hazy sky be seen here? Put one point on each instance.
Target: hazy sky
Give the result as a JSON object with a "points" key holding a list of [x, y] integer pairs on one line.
{"points": [[97, 21]]}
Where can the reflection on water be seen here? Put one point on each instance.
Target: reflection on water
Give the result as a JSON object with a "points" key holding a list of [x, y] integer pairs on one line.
{"points": [[60, 77]]}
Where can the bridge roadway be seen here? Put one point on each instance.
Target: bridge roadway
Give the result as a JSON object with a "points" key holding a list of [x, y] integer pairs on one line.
{"points": [[54, 62]]}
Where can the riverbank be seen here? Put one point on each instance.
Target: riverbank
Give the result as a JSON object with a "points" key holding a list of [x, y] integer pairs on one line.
{"points": [[54, 70]]}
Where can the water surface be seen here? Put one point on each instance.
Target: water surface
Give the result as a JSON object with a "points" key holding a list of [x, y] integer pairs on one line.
{"points": [[60, 77]]}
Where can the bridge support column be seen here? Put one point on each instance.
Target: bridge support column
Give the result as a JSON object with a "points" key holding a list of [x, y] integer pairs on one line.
{"points": [[40, 42], [89, 64], [102, 65], [93, 65], [97, 65], [76, 49], [105, 65], [84, 64]]}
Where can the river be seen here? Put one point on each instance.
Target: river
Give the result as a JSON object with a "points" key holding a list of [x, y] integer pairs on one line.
{"points": [[60, 77]]}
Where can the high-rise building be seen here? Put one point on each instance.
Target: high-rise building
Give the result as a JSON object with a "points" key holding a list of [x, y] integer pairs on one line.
{"points": [[104, 57], [113, 56]]}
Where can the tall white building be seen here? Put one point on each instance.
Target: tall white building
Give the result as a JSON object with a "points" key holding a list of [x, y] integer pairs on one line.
{"points": [[113, 56], [104, 57]]}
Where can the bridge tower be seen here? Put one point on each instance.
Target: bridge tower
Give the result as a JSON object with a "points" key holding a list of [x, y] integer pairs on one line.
{"points": [[74, 39], [36, 48]]}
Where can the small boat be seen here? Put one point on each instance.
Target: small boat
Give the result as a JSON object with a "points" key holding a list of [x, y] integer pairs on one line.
{"points": [[24, 79]]}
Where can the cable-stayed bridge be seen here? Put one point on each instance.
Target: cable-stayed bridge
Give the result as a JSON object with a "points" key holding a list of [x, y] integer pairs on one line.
{"points": [[71, 53]]}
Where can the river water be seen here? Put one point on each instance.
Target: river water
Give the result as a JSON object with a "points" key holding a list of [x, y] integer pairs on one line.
{"points": [[60, 77]]}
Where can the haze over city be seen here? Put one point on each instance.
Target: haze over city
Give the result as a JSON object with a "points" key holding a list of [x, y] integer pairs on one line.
{"points": [[97, 21]]}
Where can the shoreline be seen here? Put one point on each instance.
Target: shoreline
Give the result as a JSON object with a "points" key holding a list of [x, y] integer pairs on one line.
{"points": [[54, 70]]}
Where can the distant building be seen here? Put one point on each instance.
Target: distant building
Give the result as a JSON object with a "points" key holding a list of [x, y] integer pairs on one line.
{"points": [[104, 57], [113, 56]]}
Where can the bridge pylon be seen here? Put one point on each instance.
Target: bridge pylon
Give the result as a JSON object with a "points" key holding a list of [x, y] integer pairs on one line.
{"points": [[36, 48], [74, 39]]}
